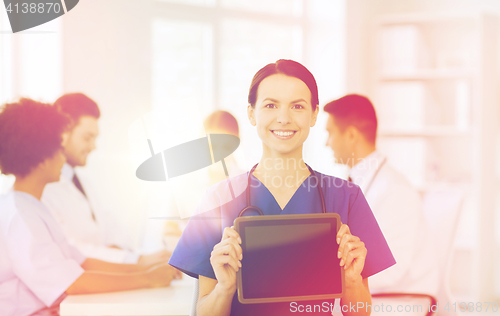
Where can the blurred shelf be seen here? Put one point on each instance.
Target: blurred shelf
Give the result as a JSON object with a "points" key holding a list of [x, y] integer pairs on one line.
{"points": [[436, 185], [427, 17], [467, 245], [448, 61], [426, 132], [429, 74]]}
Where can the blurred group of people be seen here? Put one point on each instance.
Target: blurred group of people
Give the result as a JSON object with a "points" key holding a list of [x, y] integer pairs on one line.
{"points": [[52, 239]]}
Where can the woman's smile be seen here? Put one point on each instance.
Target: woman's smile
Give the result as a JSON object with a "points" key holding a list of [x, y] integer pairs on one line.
{"points": [[283, 134]]}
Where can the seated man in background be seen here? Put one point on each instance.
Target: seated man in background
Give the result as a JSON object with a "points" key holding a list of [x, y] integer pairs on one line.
{"points": [[37, 265], [397, 206], [67, 199]]}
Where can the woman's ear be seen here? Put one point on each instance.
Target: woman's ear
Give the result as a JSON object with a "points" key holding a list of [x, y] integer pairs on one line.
{"points": [[315, 116], [251, 115], [42, 165], [65, 137]]}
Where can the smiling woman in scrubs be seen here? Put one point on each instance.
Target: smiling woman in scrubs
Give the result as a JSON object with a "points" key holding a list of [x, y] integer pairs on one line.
{"points": [[283, 106], [37, 265]]}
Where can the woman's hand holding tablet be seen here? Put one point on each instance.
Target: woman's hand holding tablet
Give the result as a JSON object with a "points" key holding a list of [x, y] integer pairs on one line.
{"points": [[352, 252], [225, 259]]}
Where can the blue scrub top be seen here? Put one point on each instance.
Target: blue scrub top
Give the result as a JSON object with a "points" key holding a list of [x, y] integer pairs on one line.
{"points": [[204, 231]]}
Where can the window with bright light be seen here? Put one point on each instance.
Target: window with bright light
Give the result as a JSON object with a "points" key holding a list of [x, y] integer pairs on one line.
{"points": [[205, 53], [30, 66]]}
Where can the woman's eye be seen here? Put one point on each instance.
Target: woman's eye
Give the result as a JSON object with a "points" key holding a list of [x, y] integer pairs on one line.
{"points": [[298, 106], [270, 105]]}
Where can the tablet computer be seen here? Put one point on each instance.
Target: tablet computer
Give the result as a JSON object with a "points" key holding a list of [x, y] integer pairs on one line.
{"points": [[289, 258]]}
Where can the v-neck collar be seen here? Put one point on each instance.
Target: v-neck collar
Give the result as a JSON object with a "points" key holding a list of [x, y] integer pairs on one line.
{"points": [[268, 203]]}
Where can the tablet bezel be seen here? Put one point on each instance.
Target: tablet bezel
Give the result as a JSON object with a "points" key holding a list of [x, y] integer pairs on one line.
{"points": [[285, 218]]}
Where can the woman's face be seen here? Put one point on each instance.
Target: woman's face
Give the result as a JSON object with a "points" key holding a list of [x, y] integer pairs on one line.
{"points": [[283, 113]]}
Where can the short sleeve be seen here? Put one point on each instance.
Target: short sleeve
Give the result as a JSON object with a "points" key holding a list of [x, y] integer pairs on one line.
{"points": [[362, 223], [77, 255], [38, 261], [193, 251]]}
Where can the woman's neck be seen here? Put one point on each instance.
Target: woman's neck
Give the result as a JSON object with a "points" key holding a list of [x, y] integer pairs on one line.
{"points": [[30, 184], [289, 167]]}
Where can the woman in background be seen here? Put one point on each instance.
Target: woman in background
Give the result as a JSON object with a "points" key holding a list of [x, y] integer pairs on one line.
{"points": [[222, 122], [218, 122], [37, 265]]}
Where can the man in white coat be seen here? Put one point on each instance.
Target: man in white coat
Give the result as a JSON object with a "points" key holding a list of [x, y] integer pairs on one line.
{"points": [[397, 206], [70, 202]]}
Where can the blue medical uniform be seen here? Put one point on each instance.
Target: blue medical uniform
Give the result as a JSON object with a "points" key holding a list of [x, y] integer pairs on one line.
{"points": [[204, 231]]}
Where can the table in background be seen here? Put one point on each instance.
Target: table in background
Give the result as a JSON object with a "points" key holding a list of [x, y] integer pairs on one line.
{"points": [[173, 300]]}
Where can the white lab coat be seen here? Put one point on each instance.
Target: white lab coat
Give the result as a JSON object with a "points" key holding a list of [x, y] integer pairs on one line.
{"points": [[73, 211], [37, 264], [397, 206]]}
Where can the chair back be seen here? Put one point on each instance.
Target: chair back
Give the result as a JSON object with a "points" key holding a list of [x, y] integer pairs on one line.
{"points": [[196, 294], [442, 209]]}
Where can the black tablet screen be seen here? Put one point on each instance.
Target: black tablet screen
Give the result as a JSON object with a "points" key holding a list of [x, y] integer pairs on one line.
{"points": [[292, 259]]}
